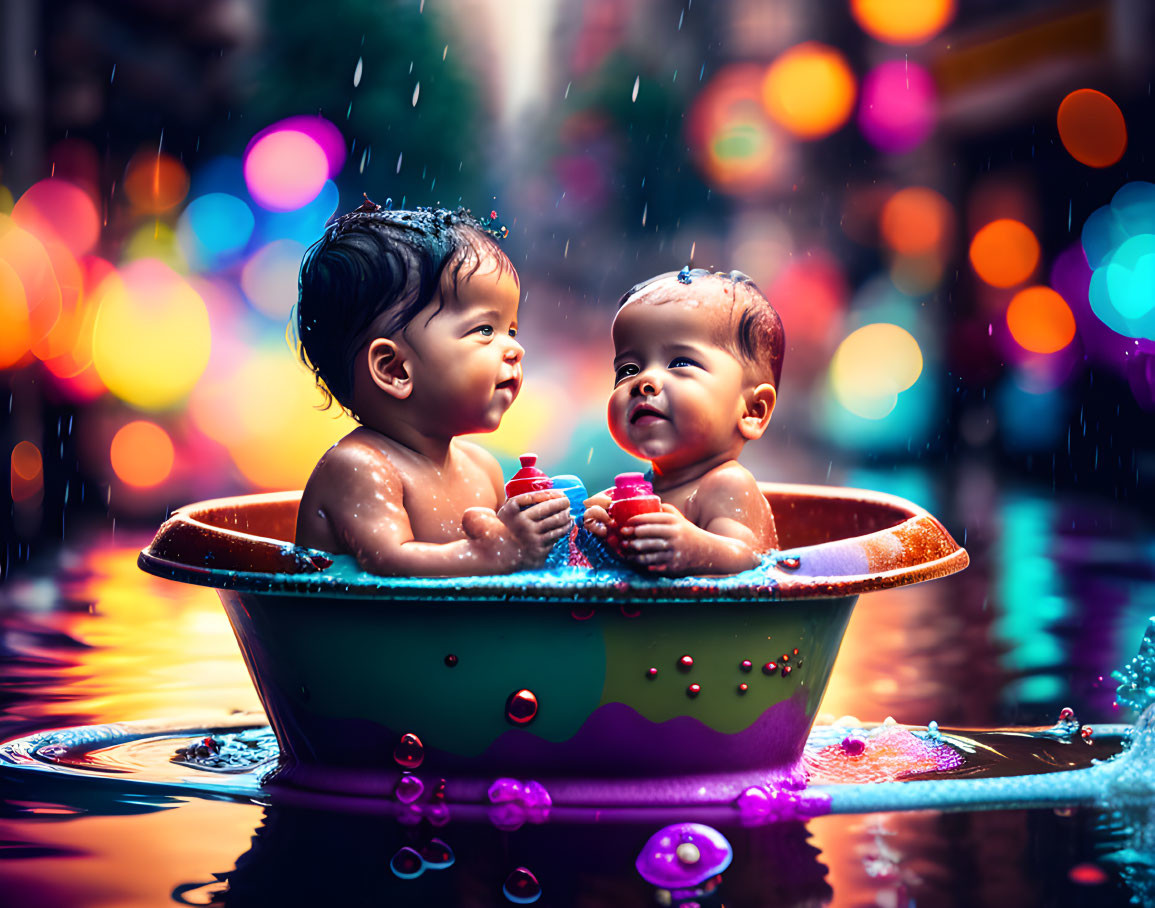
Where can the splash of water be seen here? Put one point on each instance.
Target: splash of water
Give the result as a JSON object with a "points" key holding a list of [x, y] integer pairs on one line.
{"points": [[1137, 678]]}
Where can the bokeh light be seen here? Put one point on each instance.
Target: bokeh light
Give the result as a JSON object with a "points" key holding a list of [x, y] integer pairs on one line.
{"points": [[151, 336], [897, 109], [916, 220], [16, 337], [69, 279], [273, 430], [1119, 244], [6, 200], [872, 366], [285, 169], [304, 225], [155, 240], [902, 21], [1040, 320], [58, 210], [1092, 128], [26, 474], [155, 182], [214, 228], [141, 454], [1004, 252], [809, 90], [810, 294], [327, 136], [733, 142], [269, 278], [28, 258]]}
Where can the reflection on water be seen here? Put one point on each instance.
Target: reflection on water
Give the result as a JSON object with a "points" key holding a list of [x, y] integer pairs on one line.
{"points": [[1057, 596]]}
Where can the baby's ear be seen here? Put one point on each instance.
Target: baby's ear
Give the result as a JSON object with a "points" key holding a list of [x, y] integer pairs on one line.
{"points": [[388, 370], [758, 405]]}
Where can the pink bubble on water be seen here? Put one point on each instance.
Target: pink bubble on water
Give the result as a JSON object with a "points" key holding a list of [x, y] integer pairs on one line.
{"points": [[896, 110], [285, 170]]}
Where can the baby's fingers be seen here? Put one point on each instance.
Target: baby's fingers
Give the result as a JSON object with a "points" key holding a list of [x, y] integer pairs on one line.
{"points": [[548, 509]]}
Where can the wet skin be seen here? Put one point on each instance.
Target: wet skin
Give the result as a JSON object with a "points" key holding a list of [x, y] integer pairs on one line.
{"points": [[402, 493], [684, 401]]}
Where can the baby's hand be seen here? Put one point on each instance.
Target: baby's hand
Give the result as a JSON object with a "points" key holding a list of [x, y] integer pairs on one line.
{"points": [[537, 520], [597, 514], [663, 542]]}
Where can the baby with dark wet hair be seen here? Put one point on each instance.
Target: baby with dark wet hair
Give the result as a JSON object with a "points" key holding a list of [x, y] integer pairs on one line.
{"points": [[408, 319], [697, 365]]}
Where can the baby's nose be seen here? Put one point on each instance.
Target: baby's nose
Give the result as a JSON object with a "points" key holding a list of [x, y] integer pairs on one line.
{"points": [[514, 351], [646, 385]]}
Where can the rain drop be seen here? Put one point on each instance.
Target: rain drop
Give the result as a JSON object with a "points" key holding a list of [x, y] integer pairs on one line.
{"points": [[451, 660], [645, 209], [521, 887], [637, 85], [409, 789], [402, 154], [409, 751], [686, 662], [416, 93], [521, 707], [357, 71], [407, 864]]}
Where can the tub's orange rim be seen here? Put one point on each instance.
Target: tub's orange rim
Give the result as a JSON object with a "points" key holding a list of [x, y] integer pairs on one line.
{"points": [[190, 547]]}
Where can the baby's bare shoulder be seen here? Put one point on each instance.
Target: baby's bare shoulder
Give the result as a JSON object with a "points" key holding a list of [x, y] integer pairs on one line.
{"points": [[355, 461], [731, 478]]}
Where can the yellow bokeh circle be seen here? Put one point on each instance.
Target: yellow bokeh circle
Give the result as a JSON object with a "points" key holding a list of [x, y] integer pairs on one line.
{"points": [[151, 337], [872, 366], [809, 90], [902, 21]]}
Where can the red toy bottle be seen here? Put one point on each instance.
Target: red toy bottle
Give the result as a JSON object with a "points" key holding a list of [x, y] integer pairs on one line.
{"points": [[528, 479], [630, 496]]}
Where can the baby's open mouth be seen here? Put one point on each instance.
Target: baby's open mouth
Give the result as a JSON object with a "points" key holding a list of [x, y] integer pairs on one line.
{"points": [[644, 415], [510, 384]]}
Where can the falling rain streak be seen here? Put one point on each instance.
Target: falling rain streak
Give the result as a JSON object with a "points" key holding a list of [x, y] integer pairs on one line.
{"points": [[637, 85], [357, 71], [416, 93]]}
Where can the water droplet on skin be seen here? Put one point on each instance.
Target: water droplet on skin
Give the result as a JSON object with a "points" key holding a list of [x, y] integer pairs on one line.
{"points": [[686, 662], [637, 85], [743, 687], [409, 751], [407, 864], [693, 690], [684, 275], [521, 707], [521, 887], [769, 668], [409, 789], [651, 672], [451, 660], [745, 665]]}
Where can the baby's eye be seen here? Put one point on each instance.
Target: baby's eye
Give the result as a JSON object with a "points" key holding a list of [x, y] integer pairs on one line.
{"points": [[484, 330], [625, 371], [680, 361]]}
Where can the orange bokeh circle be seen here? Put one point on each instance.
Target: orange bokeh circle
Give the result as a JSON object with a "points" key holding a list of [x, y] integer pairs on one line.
{"points": [[1092, 128], [915, 220], [1040, 320], [142, 454], [809, 90], [902, 21], [155, 182], [1004, 252]]}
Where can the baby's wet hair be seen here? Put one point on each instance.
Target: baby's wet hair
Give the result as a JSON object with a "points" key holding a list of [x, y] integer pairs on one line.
{"points": [[758, 335], [375, 262]]}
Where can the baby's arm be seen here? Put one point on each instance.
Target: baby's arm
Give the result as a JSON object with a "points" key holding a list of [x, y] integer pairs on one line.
{"points": [[364, 504], [736, 528]]}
